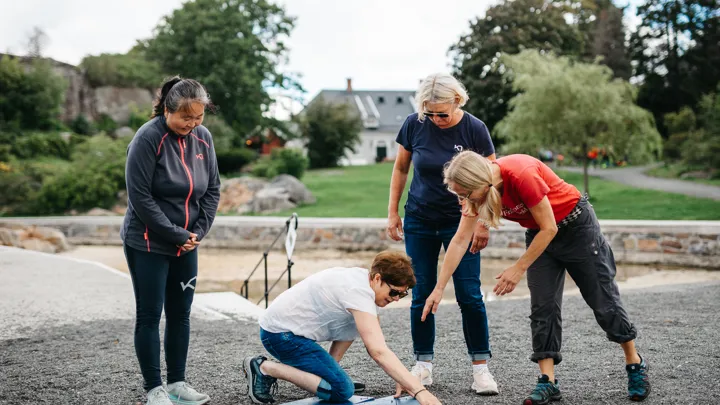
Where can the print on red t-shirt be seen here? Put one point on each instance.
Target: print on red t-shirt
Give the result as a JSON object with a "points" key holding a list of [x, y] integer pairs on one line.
{"points": [[526, 181]]}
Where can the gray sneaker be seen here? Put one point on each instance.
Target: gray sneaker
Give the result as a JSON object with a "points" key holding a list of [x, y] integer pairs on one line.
{"points": [[182, 394], [158, 396]]}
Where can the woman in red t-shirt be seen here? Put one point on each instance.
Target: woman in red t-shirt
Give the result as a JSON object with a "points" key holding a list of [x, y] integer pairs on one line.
{"points": [[562, 233]]}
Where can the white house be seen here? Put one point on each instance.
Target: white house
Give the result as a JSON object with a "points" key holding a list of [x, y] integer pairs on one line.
{"points": [[382, 112]]}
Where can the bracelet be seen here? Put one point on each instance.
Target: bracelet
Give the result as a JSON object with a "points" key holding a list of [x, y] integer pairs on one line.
{"points": [[416, 394], [484, 223]]}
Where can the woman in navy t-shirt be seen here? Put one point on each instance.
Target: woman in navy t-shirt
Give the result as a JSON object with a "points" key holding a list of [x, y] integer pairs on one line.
{"points": [[430, 138]]}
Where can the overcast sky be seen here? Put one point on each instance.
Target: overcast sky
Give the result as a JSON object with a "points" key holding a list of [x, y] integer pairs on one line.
{"points": [[381, 44]]}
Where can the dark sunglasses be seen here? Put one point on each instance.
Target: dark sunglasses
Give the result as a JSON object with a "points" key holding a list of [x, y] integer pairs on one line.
{"points": [[439, 115], [398, 293]]}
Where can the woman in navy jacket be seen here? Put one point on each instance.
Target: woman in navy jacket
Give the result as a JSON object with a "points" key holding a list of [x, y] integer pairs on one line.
{"points": [[173, 193]]}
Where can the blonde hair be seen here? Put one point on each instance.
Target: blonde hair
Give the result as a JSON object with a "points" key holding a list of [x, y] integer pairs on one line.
{"points": [[439, 88], [472, 171]]}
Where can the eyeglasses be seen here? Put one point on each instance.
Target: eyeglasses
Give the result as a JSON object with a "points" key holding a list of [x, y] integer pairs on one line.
{"points": [[460, 198], [398, 293]]}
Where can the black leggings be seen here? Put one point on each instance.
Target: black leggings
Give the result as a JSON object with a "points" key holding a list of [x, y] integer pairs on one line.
{"points": [[162, 280]]}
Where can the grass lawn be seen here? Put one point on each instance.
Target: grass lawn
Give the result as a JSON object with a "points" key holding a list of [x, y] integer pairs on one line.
{"points": [[674, 172], [362, 191]]}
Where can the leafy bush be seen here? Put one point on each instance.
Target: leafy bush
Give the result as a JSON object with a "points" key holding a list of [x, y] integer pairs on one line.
{"points": [[233, 160], [93, 180], [5, 152], [106, 124], [121, 70], [81, 125], [35, 144], [17, 189], [281, 161], [265, 167], [224, 137], [138, 117], [29, 99]]}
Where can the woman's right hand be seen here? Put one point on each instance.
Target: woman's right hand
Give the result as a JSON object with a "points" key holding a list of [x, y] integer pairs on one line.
{"points": [[394, 227], [191, 243]]}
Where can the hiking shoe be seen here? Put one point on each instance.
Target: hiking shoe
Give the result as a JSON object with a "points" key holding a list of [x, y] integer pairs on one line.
{"points": [[638, 382], [484, 383], [422, 373], [261, 388], [158, 396], [544, 392], [182, 394]]}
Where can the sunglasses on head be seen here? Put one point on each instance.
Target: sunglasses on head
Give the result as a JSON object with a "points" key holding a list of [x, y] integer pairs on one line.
{"points": [[397, 293]]}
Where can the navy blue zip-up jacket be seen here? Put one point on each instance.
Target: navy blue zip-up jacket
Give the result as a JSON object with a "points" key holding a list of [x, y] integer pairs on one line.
{"points": [[173, 188]]}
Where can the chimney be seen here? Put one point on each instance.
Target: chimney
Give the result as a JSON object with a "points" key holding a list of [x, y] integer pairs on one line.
{"points": [[349, 85]]}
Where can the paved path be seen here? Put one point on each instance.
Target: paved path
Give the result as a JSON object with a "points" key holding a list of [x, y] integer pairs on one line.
{"points": [[635, 176], [76, 345], [40, 291]]}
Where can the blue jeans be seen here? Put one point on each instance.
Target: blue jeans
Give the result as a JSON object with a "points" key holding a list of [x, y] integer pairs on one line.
{"points": [[422, 243], [306, 355]]}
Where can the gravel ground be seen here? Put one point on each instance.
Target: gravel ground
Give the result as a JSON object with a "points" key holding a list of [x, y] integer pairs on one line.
{"points": [[94, 362]]}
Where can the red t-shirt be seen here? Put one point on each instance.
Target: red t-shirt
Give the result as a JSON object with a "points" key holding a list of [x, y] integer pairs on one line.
{"points": [[526, 181]]}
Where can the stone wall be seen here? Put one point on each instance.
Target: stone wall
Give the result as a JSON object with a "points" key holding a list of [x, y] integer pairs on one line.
{"points": [[671, 243]]}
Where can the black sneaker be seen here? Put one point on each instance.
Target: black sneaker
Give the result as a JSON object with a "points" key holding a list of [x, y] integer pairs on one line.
{"points": [[544, 392], [359, 387], [261, 388], [638, 382]]}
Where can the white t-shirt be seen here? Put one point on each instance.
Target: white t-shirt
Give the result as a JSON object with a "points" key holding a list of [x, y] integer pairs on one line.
{"points": [[317, 307]]}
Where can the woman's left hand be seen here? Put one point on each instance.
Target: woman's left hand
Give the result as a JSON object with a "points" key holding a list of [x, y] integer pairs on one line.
{"points": [[432, 302], [508, 279]]}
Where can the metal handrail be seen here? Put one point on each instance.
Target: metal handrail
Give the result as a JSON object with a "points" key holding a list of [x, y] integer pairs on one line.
{"points": [[245, 287]]}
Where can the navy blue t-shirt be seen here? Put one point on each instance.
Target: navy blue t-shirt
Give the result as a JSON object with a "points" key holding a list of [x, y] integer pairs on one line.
{"points": [[432, 147]]}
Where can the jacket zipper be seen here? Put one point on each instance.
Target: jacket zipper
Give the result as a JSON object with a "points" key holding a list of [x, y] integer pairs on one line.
{"points": [[147, 238], [187, 200]]}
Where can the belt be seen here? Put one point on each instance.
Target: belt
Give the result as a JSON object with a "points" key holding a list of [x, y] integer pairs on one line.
{"points": [[572, 216]]}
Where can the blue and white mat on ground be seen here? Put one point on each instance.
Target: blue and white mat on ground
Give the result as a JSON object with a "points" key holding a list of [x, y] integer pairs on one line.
{"points": [[360, 400]]}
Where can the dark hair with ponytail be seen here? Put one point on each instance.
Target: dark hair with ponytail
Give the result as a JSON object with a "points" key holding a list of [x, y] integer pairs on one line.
{"points": [[178, 94]]}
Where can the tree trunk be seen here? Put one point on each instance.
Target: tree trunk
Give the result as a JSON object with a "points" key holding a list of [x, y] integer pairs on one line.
{"points": [[586, 163]]}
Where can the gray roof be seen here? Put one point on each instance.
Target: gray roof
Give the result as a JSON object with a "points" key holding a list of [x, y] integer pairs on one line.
{"points": [[381, 110]]}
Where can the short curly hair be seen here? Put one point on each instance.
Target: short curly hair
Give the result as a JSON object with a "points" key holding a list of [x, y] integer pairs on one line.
{"points": [[395, 268]]}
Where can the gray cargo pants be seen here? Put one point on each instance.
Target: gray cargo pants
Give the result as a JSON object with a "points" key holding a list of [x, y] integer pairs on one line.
{"points": [[581, 248]]}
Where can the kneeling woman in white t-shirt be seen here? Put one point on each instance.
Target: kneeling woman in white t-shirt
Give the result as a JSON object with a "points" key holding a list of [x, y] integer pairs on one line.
{"points": [[335, 305]]}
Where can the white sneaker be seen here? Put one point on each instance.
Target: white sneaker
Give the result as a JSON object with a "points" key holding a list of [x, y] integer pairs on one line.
{"points": [[182, 394], [423, 373], [484, 383], [158, 396]]}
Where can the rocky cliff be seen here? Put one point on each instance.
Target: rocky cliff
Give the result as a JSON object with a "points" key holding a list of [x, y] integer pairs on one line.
{"points": [[81, 98]]}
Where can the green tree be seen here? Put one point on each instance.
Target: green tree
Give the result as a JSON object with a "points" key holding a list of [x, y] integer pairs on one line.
{"points": [[233, 47], [700, 135], [508, 27], [570, 107], [29, 99], [608, 41], [676, 53], [329, 132]]}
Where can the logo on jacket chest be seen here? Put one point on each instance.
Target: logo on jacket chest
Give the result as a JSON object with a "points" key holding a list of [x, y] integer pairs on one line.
{"points": [[199, 156]]}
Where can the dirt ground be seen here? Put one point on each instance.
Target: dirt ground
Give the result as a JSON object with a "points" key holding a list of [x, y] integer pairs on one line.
{"points": [[226, 269]]}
